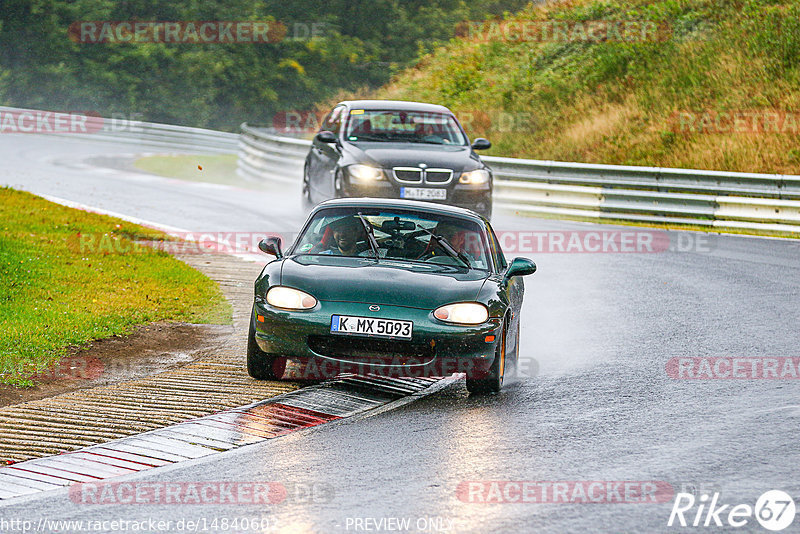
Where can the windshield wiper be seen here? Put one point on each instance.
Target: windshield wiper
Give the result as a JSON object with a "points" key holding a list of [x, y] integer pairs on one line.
{"points": [[423, 141], [447, 247], [367, 137], [373, 243]]}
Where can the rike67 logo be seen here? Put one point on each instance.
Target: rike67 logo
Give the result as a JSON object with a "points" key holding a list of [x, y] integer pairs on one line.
{"points": [[774, 510]]}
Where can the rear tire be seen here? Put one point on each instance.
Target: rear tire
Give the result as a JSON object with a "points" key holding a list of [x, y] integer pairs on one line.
{"points": [[493, 382], [260, 365]]}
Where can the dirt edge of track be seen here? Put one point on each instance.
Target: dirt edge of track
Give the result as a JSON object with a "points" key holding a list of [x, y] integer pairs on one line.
{"points": [[202, 373]]}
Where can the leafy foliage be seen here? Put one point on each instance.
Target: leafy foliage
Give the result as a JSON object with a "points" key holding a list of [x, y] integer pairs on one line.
{"points": [[217, 85], [616, 101]]}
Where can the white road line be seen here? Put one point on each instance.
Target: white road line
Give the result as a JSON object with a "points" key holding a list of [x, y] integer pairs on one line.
{"points": [[170, 230]]}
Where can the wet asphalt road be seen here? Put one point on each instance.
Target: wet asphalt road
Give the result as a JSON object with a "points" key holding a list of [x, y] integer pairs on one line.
{"points": [[595, 402], [57, 166]]}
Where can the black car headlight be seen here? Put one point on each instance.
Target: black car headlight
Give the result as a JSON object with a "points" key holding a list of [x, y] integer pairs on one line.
{"points": [[476, 177], [364, 174], [289, 298]]}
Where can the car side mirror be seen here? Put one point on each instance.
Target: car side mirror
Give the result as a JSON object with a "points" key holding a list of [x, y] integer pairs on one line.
{"points": [[271, 245], [326, 137], [481, 144], [519, 267]]}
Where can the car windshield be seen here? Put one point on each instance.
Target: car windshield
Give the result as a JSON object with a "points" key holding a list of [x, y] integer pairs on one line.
{"points": [[399, 235], [404, 127]]}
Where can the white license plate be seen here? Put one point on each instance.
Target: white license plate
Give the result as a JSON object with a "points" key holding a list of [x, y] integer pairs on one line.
{"points": [[371, 326], [423, 193]]}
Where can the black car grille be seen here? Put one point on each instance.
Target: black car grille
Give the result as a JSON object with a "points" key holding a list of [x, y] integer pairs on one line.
{"points": [[359, 349], [413, 175], [438, 176], [409, 175]]}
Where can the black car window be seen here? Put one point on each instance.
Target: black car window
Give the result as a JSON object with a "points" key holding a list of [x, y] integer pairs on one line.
{"points": [[497, 253], [333, 122], [404, 127], [400, 235]]}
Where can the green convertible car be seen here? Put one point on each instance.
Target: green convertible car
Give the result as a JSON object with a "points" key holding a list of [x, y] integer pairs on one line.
{"points": [[389, 287]]}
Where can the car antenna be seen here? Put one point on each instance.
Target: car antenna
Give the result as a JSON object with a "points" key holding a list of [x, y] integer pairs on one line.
{"points": [[373, 244]]}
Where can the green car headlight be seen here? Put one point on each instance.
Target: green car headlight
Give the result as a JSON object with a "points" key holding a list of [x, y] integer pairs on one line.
{"points": [[290, 299], [364, 173], [462, 313], [476, 177]]}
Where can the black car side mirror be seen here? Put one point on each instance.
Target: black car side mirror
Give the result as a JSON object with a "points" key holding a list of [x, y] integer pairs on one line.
{"points": [[481, 144], [271, 245], [519, 267], [326, 137]]}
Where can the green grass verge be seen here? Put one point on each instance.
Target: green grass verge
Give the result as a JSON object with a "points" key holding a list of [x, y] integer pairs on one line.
{"points": [[216, 169], [68, 277]]}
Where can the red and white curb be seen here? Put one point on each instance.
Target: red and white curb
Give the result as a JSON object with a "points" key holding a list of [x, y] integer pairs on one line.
{"points": [[344, 397]]}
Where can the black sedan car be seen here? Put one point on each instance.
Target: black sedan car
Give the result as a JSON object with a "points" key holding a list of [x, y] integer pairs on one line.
{"points": [[393, 287], [391, 149]]}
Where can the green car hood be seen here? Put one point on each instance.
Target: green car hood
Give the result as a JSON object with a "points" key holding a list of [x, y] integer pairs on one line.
{"points": [[391, 283]]}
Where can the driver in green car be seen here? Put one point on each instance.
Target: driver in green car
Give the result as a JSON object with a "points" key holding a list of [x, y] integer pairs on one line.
{"points": [[347, 232]]}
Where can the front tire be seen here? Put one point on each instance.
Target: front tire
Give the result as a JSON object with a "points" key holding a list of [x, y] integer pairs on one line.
{"points": [[260, 365], [307, 201], [493, 382], [338, 185], [487, 210]]}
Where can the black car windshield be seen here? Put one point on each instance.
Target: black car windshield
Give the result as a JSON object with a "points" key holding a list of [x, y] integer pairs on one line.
{"points": [[403, 127], [402, 235]]}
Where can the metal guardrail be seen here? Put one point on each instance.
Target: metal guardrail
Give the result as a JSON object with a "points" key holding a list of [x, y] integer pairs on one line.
{"points": [[765, 203], [265, 156], [150, 134]]}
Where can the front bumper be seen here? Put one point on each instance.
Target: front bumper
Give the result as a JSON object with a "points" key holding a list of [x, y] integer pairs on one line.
{"points": [[435, 349]]}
